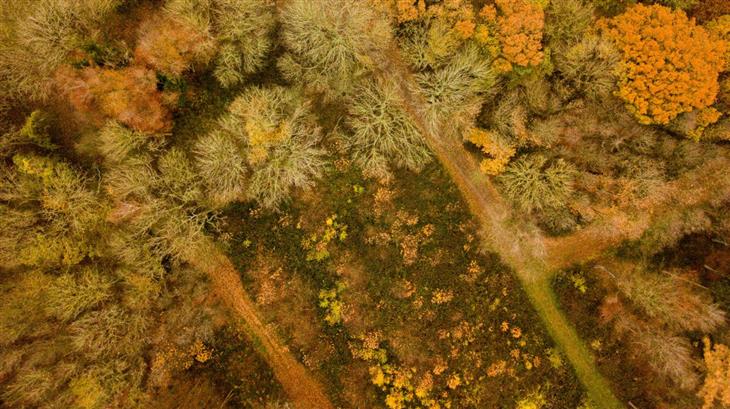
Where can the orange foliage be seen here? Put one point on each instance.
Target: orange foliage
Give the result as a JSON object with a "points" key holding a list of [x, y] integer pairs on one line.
{"points": [[171, 46], [670, 65], [521, 24], [128, 95]]}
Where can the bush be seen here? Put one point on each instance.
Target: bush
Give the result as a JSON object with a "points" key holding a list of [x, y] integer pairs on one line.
{"points": [[670, 65], [521, 24], [384, 133], [331, 43], [117, 142], [534, 184], [566, 23], [69, 295]]}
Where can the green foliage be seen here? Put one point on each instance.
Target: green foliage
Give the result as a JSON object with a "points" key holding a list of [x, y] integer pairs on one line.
{"points": [[330, 44], [534, 184], [383, 132]]}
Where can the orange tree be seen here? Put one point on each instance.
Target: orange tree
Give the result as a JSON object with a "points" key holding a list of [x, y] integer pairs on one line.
{"points": [[670, 65], [521, 24]]}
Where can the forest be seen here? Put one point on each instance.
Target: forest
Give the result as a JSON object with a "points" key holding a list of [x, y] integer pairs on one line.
{"points": [[364, 204]]}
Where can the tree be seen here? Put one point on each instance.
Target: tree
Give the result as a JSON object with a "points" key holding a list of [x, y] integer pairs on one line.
{"points": [[268, 133], [383, 132], [521, 24], [669, 64], [533, 183], [128, 95], [243, 29], [330, 44], [171, 45]]}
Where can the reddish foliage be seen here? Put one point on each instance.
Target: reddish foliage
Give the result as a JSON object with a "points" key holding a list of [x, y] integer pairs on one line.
{"points": [[128, 95]]}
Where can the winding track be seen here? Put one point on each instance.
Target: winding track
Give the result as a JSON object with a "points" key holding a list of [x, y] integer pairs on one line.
{"points": [[520, 245], [303, 390]]}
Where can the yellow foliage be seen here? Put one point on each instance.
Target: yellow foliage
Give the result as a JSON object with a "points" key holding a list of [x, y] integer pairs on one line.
{"points": [[717, 381], [499, 153], [670, 65]]}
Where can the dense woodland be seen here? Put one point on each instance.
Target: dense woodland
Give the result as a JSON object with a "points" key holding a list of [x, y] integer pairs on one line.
{"points": [[394, 204]]}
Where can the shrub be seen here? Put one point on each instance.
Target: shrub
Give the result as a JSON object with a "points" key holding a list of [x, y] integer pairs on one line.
{"points": [[128, 95], [37, 130], [521, 24], [669, 355], [117, 142], [37, 38], [534, 184], [716, 386], [670, 65], [270, 132], [331, 43], [500, 152], [383, 132]]}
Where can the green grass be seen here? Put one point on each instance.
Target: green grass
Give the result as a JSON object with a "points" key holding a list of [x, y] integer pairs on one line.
{"points": [[565, 336]]}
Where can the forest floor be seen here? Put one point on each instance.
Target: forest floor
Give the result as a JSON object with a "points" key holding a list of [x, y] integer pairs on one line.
{"points": [[520, 246], [302, 389]]}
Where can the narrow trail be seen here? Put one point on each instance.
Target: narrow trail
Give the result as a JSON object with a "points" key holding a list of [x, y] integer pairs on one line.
{"points": [[303, 390], [520, 246]]}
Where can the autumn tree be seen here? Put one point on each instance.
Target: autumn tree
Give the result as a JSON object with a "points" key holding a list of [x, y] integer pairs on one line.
{"points": [[128, 95], [264, 146], [383, 133], [669, 65], [330, 44], [521, 24]]}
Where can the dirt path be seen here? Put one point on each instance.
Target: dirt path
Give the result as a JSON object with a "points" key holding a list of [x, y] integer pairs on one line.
{"points": [[303, 390], [519, 244], [617, 226]]}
